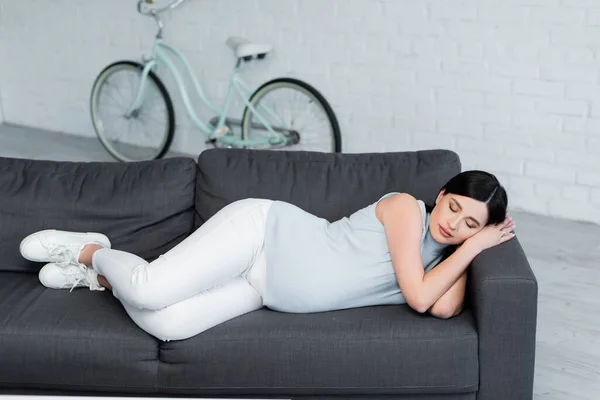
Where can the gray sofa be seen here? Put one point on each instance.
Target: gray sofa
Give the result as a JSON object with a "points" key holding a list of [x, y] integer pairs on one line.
{"points": [[83, 343]]}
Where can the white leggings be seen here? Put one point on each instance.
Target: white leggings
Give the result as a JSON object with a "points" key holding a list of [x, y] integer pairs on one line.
{"points": [[216, 274]]}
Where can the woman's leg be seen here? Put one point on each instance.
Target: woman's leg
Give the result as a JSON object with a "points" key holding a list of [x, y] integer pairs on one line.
{"points": [[224, 247], [198, 313], [104, 282]]}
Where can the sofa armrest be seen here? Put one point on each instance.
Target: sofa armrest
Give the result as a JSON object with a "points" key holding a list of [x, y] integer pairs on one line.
{"points": [[502, 293]]}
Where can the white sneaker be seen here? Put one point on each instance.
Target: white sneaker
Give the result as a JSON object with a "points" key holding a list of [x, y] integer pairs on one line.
{"points": [[59, 247], [54, 276]]}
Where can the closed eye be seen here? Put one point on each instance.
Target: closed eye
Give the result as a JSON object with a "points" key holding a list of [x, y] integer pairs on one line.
{"points": [[458, 204]]}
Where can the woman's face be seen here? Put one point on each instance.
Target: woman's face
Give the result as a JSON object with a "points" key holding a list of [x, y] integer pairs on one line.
{"points": [[456, 218]]}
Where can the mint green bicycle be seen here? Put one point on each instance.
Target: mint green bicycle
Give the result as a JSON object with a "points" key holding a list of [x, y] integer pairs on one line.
{"points": [[134, 119]]}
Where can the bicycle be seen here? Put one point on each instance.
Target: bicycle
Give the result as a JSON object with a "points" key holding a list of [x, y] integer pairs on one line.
{"points": [[145, 105]]}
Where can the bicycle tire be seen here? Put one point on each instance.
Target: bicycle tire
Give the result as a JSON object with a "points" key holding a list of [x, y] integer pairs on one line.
{"points": [[167, 137], [302, 86]]}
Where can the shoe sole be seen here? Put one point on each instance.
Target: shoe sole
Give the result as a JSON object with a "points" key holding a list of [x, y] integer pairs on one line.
{"points": [[94, 237]]}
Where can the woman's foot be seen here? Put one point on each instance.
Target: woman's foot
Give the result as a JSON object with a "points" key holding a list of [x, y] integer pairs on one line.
{"points": [[62, 248], [54, 276], [85, 256]]}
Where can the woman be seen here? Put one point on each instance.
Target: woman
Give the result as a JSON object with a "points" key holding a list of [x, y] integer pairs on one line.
{"points": [[259, 252]]}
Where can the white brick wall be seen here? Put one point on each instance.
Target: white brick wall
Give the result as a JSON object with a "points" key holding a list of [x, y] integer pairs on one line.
{"points": [[512, 86], [1, 114], [1, 54]]}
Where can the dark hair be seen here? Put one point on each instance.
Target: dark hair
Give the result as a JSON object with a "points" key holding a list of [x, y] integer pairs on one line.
{"points": [[481, 186], [478, 185]]}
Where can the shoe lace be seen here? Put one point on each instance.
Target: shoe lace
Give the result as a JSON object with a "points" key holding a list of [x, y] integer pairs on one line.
{"points": [[62, 254], [75, 275], [64, 257]]}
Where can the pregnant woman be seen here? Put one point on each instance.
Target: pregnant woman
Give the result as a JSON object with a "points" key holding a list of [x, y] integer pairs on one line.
{"points": [[257, 253]]}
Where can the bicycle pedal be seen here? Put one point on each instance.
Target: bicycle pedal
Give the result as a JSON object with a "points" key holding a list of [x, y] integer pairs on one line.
{"points": [[220, 132]]}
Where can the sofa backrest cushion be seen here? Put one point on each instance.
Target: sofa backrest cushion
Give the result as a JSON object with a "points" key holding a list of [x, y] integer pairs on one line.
{"points": [[143, 207], [329, 185]]}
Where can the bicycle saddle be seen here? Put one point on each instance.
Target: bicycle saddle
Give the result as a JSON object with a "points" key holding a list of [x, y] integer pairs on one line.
{"points": [[245, 49]]}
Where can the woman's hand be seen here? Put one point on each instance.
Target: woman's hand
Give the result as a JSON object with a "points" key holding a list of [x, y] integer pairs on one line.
{"points": [[492, 235]]}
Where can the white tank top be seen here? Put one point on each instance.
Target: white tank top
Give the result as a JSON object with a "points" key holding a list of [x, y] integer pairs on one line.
{"points": [[314, 265]]}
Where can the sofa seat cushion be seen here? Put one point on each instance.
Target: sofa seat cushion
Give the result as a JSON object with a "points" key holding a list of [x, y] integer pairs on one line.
{"points": [[368, 350], [80, 340]]}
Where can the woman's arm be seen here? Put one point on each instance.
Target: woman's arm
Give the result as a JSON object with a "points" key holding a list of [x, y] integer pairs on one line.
{"points": [[451, 302], [403, 224]]}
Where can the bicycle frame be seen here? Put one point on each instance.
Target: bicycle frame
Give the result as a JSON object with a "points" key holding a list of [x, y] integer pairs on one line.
{"points": [[160, 56]]}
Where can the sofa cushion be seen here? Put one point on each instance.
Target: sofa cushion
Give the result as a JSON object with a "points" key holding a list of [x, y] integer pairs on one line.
{"points": [[70, 340], [369, 350], [328, 185], [143, 207]]}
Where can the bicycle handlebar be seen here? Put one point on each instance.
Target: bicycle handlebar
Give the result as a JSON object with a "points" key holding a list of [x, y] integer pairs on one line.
{"points": [[171, 6]]}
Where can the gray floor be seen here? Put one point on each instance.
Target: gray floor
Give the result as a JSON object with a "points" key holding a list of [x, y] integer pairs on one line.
{"points": [[564, 255], [23, 142]]}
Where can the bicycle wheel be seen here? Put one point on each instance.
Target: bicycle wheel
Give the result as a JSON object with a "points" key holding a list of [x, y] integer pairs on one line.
{"points": [[148, 132], [297, 110]]}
